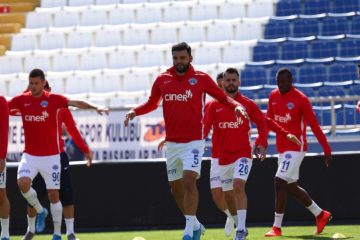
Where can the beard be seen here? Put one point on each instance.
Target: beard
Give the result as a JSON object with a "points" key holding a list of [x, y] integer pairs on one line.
{"points": [[183, 68], [231, 89]]}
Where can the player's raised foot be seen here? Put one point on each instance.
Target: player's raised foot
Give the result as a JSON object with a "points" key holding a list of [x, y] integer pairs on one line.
{"points": [[28, 235], [187, 237], [240, 235], [40, 220], [229, 226], [321, 221], [274, 232], [72, 237], [197, 233], [56, 237]]}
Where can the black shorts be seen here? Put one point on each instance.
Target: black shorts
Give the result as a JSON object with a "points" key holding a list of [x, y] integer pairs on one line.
{"points": [[66, 190]]}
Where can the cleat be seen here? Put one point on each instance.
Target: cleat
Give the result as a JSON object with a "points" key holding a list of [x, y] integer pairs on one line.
{"points": [[72, 237], [56, 237], [229, 226], [240, 235], [4, 238], [40, 220], [28, 236], [187, 237], [321, 221], [197, 233], [274, 232]]}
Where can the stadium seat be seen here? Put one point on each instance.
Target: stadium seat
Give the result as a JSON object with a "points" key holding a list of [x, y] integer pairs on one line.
{"points": [[347, 115], [107, 2], [237, 51], [344, 6], [355, 28], [309, 92], [80, 39], [208, 52], [66, 18], [323, 115], [312, 73], [11, 64], [249, 93], [93, 60], [350, 47], [304, 27], [37, 61], [137, 34], [277, 29], [331, 91], [80, 2], [312, 7], [123, 57], [335, 26], [109, 81], [205, 10], [149, 13], [267, 50], [51, 40], [123, 14], [261, 8], [193, 31], [322, 48], [66, 62], [165, 33], [252, 76], [177, 11], [154, 55], [39, 20], [52, 3], [93, 17], [355, 90], [288, 7], [220, 30], [18, 84], [57, 80], [232, 9], [264, 93], [22, 41], [81, 82], [108, 36], [249, 28], [294, 50], [139, 78], [342, 72]]}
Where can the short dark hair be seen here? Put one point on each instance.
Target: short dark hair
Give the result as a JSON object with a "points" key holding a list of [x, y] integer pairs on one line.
{"points": [[37, 73], [180, 47], [47, 85], [284, 71], [220, 75], [232, 70]]}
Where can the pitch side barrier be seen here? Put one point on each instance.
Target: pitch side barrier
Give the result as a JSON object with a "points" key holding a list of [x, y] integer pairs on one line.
{"points": [[126, 194]]}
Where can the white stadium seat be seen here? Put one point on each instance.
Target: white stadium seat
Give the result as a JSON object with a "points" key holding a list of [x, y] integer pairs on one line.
{"points": [[24, 41], [123, 57], [148, 13], [137, 34], [11, 64], [238, 51], [221, 30], [232, 9], [80, 2], [139, 78], [57, 80], [123, 14], [177, 11], [66, 18], [153, 55], [19, 84], [193, 31], [37, 61], [81, 82], [93, 60], [4, 83], [109, 36], [165, 33], [261, 8], [79, 39], [94, 17], [207, 52], [205, 10], [66, 62], [39, 19], [52, 40], [52, 3], [107, 2], [109, 81], [250, 28]]}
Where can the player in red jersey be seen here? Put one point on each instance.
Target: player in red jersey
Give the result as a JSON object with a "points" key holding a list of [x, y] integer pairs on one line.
{"points": [[182, 90], [66, 190], [39, 111], [292, 110], [4, 202]]}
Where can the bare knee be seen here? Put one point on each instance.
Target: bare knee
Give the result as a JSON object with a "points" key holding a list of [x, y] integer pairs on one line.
{"points": [[53, 195], [3, 196], [24, 184], [280, 185], [239, 186], [217, 194], [189, 180]]}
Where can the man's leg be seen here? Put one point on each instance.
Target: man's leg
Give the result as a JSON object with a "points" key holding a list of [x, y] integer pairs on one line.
{"points": [[56, 210], [4, 213]]}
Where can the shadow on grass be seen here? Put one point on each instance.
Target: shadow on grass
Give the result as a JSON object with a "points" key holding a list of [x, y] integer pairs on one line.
{"points": [[312, 237]]}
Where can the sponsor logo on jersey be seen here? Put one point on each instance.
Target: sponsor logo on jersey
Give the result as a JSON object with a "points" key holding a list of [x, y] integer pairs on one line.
{"points": [[219, 109], [178, 97], [288, 156], [27, 104], [290, 105], [282, 119], [37, 118], [44, 104], [231, 125], [193, 81], [244, 160], [55, 167], [195, 151]]}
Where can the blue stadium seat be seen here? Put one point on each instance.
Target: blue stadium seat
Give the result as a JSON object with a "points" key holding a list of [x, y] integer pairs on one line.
{"points": [[350, 47], [312, 7], [347, 116], [335, 26], [331, 91], [344, 6], [253, 75], [249, 93], [323, 48], [304, 27], [294, 50], [355, 28], [323, 115], [355, 90], [339, 72], [288, 7], [310, 92], [264, 93], [312, 73], [277, 29], [266, 51]]}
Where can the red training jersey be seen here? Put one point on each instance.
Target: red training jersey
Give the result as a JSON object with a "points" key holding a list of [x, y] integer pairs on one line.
{"points": [[4, 127], [293, 112], [214, 138], [233, 132], [183, 103], [66, 117], [40, 117]]}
